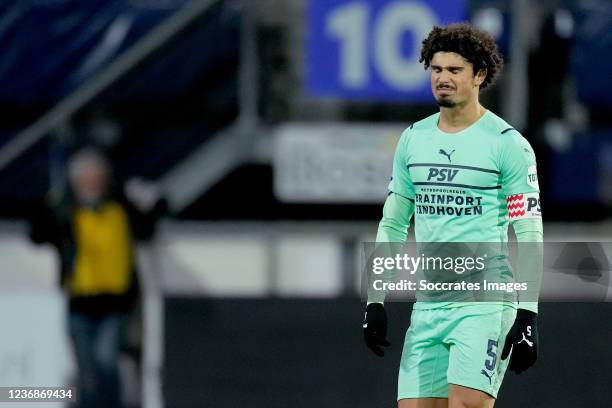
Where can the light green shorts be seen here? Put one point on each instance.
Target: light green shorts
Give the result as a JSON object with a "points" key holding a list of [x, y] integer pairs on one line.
{"points": [[459, 345]]}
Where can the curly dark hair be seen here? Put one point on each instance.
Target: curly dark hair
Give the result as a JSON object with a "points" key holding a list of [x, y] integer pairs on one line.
{"points": [[476, 46]]}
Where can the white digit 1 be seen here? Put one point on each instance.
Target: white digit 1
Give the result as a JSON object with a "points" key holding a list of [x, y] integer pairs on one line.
{"points": [[394, 20], [349, 25]]}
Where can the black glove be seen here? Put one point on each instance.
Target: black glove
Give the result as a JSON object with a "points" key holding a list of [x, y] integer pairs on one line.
{"points": [[375, 328], [523, 340]]}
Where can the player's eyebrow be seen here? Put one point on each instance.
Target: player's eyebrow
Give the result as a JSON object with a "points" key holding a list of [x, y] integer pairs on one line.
{"points": [[450, 67]]}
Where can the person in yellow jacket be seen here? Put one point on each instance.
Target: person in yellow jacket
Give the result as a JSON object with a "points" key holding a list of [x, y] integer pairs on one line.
{"points": [[94, 229]]}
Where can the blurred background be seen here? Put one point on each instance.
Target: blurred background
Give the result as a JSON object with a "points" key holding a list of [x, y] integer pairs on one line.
{"points": [[262, 132]]}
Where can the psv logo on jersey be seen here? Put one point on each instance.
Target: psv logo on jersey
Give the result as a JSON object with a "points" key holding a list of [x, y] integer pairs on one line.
{"points": [[521, 206], [441, 174]]}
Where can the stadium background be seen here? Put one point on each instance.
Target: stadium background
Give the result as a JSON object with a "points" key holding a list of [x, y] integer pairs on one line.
{"points": [[268, 125]]}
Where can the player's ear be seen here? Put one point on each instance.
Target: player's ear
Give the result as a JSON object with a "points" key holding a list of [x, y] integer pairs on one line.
{"points": [[480, 77]]}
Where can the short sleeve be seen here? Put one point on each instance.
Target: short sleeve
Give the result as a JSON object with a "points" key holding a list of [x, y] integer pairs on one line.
{"points": [[517, 165], [400, 179]]}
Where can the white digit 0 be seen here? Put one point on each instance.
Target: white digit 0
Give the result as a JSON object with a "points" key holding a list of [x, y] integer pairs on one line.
{"points": [[394, 21]]}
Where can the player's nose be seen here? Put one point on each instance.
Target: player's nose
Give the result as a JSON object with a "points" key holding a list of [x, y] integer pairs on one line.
{"points": [[444, 84], [443, 79]]}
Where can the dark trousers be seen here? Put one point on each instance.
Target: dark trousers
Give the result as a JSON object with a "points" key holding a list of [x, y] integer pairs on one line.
{"points": [[96, 341]]}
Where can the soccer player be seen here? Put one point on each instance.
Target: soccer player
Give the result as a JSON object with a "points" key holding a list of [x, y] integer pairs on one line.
{"points": [[465, 175]]}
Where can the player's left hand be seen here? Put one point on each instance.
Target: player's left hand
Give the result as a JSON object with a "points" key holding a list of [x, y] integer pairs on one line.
{"points": [[523, 340]]}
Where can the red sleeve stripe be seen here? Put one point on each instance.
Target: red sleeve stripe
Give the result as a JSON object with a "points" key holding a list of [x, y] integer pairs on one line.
{"points": [[516, 205], [516, 214]]}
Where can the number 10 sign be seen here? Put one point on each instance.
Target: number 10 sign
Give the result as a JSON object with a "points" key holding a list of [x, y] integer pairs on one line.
{"points": [[369, 49]]}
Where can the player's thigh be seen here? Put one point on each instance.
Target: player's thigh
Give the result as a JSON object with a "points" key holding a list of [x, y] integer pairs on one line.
{"points": [[464, 397], [424, 362], [476, 343], [422, 403]]}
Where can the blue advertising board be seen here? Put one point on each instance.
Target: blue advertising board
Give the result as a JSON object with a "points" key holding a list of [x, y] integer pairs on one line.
{"points": [[369, 49]]}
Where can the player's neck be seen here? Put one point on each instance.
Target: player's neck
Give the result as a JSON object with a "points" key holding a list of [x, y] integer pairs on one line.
{"points": [[459, 117]]}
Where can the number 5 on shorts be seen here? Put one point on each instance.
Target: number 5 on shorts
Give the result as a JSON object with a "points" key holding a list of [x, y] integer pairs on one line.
{"points": [[491, 352]]}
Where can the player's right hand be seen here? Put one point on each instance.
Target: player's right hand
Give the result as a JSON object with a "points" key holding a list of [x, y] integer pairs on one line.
{"points": [[375, 328]]}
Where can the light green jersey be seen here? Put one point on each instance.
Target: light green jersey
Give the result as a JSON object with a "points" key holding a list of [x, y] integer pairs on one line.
{"points": [[466, 186]]}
